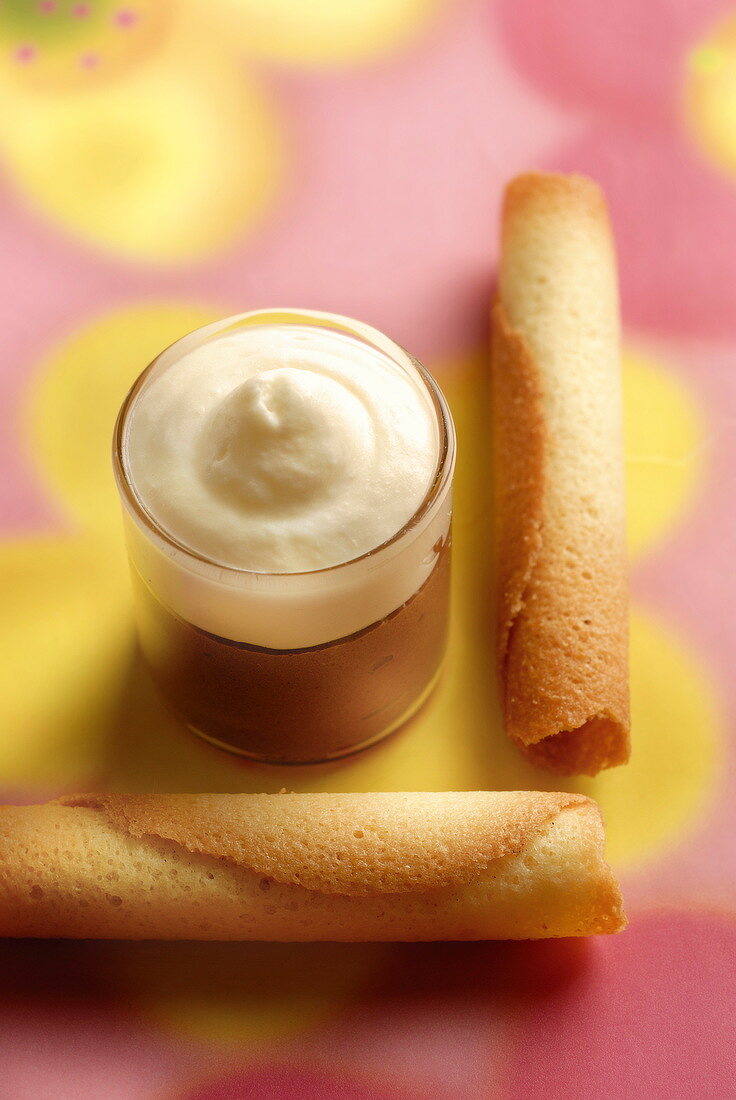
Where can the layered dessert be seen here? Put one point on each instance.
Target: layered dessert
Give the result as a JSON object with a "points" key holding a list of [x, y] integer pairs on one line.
{"points": [[286, 482]]}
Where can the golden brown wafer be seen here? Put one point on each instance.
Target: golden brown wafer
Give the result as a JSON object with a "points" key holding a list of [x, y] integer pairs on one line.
{"points": [[563, 580], [389, 866]]}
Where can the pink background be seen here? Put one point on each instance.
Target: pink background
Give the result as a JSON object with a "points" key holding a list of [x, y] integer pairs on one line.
{"points": [[382, 203]]}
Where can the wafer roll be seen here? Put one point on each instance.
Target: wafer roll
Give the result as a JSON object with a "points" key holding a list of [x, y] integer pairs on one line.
{"points": [[465, 866], [562, 580]]}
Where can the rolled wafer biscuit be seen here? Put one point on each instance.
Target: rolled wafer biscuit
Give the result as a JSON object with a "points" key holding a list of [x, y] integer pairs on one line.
{"points": [[562, 576], [470, 865]]}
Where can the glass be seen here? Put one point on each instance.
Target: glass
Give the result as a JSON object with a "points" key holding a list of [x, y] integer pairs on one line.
{"points": [[294, 668]]}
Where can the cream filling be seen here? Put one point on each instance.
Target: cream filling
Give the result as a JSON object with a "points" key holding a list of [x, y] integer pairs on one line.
{"points": [[282, 449]]}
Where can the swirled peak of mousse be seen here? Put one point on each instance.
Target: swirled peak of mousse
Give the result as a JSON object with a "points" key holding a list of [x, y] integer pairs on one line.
{"points": [[282, 448]]}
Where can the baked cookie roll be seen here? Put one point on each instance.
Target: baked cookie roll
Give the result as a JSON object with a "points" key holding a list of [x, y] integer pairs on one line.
{"points": [[557, 418], [455, 866]]}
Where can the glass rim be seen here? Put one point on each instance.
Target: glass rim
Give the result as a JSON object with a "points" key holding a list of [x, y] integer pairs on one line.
{"points": [[290, 316]]}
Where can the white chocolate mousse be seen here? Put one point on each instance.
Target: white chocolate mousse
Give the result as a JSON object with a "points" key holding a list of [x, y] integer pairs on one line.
{"points": [[281, 449]]}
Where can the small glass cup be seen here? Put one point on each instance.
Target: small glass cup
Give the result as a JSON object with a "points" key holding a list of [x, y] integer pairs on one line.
{"points": [[294, 668]]}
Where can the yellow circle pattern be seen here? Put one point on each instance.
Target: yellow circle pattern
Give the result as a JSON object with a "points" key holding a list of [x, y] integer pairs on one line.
{"points": [[65, 640], [47, 48], [164, 167], [665, 444], [83, 383], [328, 33], [710, 95], [153, 142]]}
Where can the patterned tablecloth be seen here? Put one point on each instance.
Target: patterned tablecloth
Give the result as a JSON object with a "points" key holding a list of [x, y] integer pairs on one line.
{"points": [[166, 163]]}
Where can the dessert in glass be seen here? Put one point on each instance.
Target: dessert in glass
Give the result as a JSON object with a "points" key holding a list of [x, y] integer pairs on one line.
{"points": [[286, 483]]}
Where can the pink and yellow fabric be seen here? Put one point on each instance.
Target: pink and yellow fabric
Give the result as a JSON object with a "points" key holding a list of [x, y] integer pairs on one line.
{"points": [[168, 162]]}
